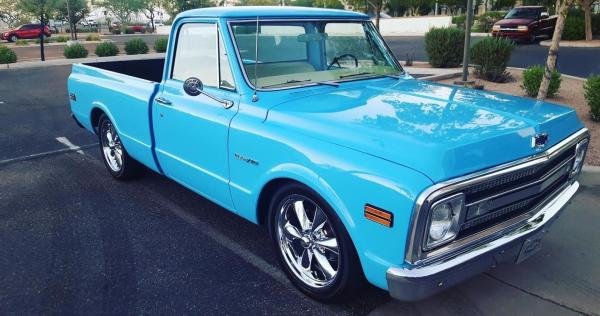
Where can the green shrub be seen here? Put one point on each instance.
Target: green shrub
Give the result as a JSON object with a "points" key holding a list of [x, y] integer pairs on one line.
{"points": [[129, 31], [160, 45], [106, 49], [62, 39], [574, 28], [444, 46], [592, 95], [75, 51], [93, 37], [46, 40], [532, 78], [21, 42], [491, 56], [7, 55], [459, 21], [136, 46]]}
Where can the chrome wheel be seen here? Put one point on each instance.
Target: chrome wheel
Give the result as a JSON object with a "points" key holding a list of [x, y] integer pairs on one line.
{"points": [[307, 241], [112, 148]]}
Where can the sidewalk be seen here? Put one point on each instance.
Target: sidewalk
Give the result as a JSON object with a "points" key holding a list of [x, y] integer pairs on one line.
{"points": [[63, 61]]}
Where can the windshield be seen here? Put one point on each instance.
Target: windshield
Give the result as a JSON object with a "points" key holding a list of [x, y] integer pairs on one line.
{"points": [[524, 13], [294, 53]]}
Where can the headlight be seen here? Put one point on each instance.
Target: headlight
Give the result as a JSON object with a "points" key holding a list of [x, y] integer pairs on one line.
{"points": [[444, 220], [496, 28], [580, 151], [522, 28]]}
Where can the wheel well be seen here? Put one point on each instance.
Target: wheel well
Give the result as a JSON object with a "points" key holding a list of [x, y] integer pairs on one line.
{"points": [[95, 117], [266, 195]]}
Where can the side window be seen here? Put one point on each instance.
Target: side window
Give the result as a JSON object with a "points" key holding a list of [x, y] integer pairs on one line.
{"points": [[196, 54]]}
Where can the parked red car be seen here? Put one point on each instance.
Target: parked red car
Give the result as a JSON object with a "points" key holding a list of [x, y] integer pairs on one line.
{"points": [[525, 23], [137, 28], [26, 31]]}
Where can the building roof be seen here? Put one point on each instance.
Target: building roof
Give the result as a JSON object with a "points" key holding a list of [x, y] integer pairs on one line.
{"points": [[271, 12]]}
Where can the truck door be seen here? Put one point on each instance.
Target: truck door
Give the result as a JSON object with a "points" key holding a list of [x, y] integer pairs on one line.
{"points": [[191, 131]]}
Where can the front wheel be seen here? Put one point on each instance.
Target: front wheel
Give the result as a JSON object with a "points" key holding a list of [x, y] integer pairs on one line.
{"points": [[116, 159], [313, 246], [13, 38]]}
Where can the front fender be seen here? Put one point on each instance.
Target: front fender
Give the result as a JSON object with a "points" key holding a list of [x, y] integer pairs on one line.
{"points": [[344, 178]]}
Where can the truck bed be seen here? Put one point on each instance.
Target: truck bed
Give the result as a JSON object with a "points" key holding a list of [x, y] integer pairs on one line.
{"points": [[125, 89], [149, 69]]}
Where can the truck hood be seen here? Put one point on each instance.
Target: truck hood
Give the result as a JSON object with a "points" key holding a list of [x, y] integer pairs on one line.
{"points": [[513, 22], [439, 130]]}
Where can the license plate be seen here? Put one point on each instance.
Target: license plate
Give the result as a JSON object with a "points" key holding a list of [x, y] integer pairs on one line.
{"points": [[530, 246]]}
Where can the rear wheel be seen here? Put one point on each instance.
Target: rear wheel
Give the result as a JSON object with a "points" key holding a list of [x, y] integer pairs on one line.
{"points": [[313, 246], [116, 159]]}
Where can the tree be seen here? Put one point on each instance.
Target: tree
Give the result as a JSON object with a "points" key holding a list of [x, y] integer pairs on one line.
{"points": [[553, 50], [73, 11], [174, 7], [302, 3], [11, 13], [41, 9], [396, 7], [369, 5], [586, 5], [123, 9], [149, 9], [331, 4]]}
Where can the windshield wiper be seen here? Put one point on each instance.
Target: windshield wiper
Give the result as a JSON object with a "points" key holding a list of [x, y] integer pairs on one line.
{"points": [[358, 74], [370, 73], [324, 83]]}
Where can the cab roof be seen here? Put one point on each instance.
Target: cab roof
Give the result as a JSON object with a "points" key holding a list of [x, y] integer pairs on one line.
{"points": [[271, 12]]}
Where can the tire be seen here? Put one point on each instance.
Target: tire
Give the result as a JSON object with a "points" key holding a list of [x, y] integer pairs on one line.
{"points": [[13, 38], [116, 159], [327, 277]]}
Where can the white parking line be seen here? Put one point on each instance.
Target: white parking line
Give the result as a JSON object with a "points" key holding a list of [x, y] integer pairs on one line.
{"points": [[46, 153], [65, 141], [231, 245]]}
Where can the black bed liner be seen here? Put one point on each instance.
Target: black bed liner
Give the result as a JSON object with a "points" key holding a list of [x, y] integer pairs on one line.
{"points": [[149, 69]]}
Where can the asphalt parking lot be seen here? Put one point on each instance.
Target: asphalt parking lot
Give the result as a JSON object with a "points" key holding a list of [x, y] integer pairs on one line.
{"points": [[75, 241]]}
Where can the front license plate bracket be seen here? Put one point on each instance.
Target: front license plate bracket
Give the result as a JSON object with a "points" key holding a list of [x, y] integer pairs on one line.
{"points": [[531, 246]]}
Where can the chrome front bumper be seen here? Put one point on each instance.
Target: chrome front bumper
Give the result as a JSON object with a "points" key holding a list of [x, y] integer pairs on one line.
{"points": [[420, 281]]}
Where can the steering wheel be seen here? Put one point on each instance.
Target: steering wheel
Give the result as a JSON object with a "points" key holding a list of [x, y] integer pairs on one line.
{"points": [[336, 60]]}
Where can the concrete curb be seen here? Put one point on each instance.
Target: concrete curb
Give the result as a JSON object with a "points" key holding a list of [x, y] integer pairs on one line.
{"points": [[442, 76], [63, 61], [36, 45], [562, 75], [578, 44], [591, 169]]}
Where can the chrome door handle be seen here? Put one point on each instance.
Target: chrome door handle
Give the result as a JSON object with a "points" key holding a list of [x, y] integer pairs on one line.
{"points": [[163, 101]]}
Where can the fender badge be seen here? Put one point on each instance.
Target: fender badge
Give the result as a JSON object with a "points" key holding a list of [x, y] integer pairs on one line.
{"points": [[539, 140], [246, 159]]}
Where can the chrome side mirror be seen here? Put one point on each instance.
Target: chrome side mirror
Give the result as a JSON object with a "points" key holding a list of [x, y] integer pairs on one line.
{"points": [[544, 15], [193, 86]]}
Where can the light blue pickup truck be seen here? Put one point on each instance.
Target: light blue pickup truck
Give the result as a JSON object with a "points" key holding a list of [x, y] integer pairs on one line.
{"points": [[303, 121]]}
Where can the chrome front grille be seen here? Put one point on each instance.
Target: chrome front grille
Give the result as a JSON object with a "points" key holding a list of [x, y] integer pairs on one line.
{"points": [[507, 195], [512, 194]]}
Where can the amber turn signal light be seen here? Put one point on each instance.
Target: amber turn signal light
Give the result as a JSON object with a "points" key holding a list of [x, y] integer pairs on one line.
{"points": [[378, 215]]}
